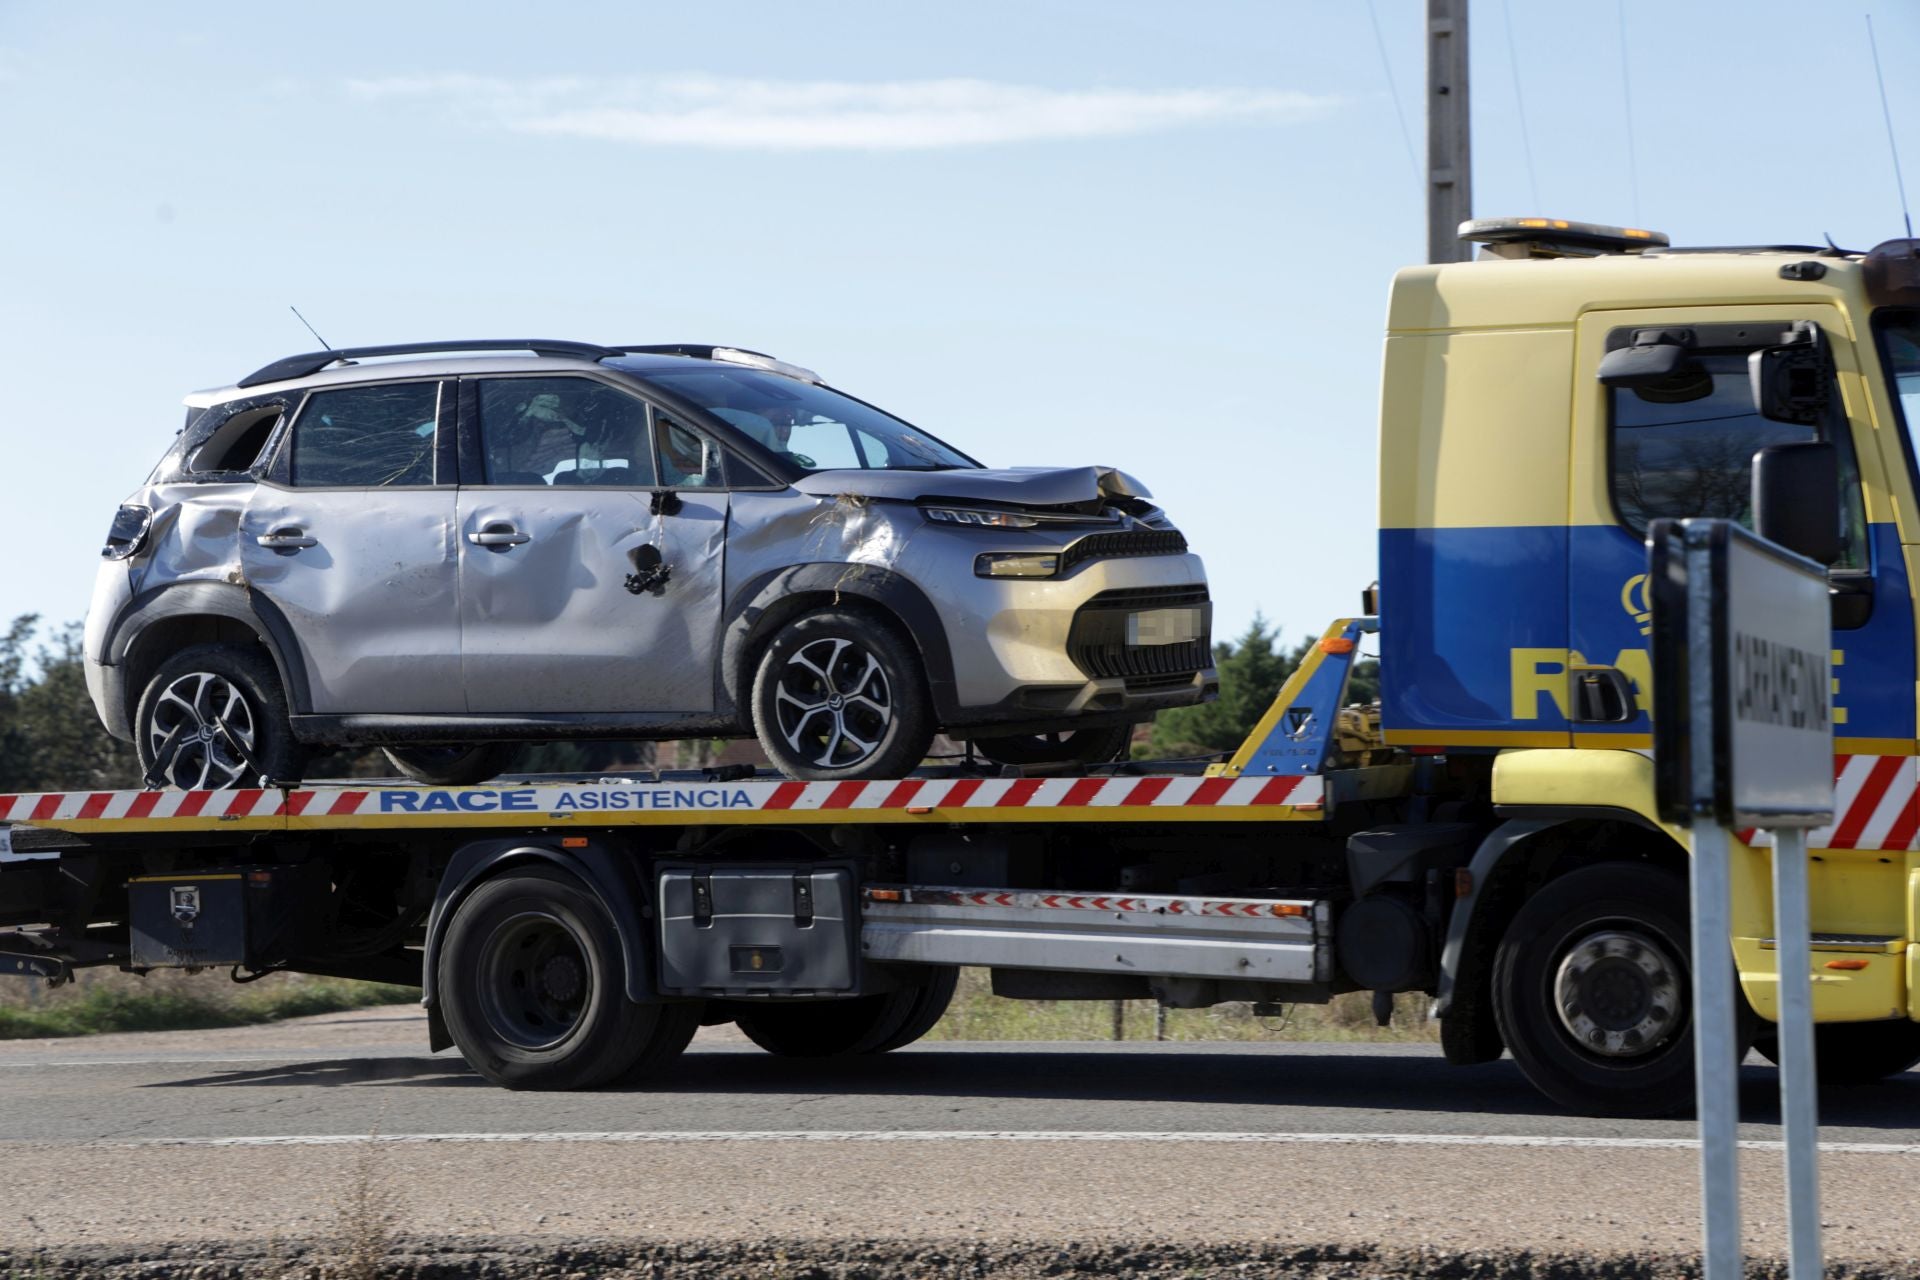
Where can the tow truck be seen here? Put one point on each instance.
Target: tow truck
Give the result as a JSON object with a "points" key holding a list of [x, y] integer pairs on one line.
{"points": [[1486, 833]]}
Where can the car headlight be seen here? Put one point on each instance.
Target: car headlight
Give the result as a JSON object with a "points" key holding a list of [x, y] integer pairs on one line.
{"points": [[1017, 564], [984, 517], [128, 532]]}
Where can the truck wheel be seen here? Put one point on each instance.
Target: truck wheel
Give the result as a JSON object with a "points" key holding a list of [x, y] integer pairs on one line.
{"points": [[1854, 1053], [455, 765], [839, 695], [213, 717], [1075, 746], [1593, 991], [841, 1028], [534, 992]]}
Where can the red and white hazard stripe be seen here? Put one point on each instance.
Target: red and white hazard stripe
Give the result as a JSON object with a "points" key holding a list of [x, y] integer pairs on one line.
{"points": [[880, 896], [1047, 793], [1876, 805], [87, 806]]}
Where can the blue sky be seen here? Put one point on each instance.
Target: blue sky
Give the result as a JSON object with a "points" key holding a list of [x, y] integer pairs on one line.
{"points": [[1152, 236]]}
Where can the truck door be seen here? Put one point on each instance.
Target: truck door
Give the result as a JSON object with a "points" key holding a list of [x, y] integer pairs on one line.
{"points": [[1684, 448], [591, 553]]}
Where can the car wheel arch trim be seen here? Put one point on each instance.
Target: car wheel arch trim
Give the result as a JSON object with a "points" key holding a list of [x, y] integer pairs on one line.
{"points": [[177, 600], [768, 601]]}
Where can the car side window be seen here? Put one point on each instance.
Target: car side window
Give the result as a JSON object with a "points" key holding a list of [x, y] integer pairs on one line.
{"points": [[687, 458], [562, 431], [366, 437], [1684, 447]]}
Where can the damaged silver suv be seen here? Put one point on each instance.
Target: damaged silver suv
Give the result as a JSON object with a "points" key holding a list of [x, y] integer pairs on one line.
{"points": [[445, 553]]}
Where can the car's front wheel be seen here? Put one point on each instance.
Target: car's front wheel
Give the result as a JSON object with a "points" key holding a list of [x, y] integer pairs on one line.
{"points": [[214, 717], [839, 695]]}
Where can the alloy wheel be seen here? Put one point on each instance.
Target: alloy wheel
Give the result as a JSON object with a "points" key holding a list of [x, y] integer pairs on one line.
{"points": [[834, 703], [1618, 994], [202, 730]]}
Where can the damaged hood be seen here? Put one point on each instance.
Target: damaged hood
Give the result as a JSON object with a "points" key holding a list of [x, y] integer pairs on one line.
{"points": [[1009, 486]]}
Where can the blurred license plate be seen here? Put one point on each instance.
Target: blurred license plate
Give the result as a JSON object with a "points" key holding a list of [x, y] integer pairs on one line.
{"points": [[1163, 626]]}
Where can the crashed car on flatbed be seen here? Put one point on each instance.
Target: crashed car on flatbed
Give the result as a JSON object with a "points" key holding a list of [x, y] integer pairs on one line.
{"points": [[450, 553]]}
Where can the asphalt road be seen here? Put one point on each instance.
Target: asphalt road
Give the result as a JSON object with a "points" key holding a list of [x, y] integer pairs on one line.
{"points": [[263, 1131]]}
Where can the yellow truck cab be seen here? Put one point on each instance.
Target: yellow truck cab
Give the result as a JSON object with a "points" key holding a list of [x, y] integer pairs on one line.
{"points": [[1517, 481]]}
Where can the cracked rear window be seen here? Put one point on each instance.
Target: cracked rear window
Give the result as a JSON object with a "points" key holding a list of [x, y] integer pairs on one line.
{"points": [[367, 437]]}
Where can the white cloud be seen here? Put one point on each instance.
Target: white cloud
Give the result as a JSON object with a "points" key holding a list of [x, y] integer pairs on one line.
{"points": [[796, 115]]}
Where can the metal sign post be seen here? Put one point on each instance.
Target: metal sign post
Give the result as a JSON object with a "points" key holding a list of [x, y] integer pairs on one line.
{"points": [[1743, 738]]}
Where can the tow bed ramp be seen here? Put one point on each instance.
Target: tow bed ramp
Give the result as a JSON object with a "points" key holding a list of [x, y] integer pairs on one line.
{"points": [[623, 802]]}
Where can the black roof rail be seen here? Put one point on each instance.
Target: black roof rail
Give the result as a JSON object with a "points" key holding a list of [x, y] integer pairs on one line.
{"points": [[314, 361]]}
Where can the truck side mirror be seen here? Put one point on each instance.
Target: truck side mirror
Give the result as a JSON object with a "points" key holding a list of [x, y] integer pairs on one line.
{"points": [[1793, 382], [1640, 366], [1796, 498]]}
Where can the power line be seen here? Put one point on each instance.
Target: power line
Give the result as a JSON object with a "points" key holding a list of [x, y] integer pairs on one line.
{"points": [[1520, 103], [1887, 114], [1626, 95], [1406, 139]]}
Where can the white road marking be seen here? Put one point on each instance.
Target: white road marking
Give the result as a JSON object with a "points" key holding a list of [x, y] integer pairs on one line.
{"points": [[1014, 1135]]}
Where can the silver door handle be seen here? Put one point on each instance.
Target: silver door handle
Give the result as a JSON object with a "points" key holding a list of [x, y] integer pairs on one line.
{"points": [[498, 538], [286, 540]]}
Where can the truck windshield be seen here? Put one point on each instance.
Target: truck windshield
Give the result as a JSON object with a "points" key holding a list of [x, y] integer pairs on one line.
{"points": [[1900, 347], [808, 425]]}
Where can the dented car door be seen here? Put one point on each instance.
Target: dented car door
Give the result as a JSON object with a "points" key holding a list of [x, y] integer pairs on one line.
{"points": [[590, 564], [349, 536]]}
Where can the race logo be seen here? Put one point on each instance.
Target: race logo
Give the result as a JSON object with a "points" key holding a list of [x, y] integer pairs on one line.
{"points": [[186, 904], [1299, 722], [1633, 598]]}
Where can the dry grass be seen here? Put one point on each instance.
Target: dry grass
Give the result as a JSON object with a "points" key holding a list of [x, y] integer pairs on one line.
{"points": [[977, 1014], [101, 1000], [366, 1218]]}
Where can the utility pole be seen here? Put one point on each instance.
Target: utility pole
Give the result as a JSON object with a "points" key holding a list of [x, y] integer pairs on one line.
{"points": [[1449, 131]]}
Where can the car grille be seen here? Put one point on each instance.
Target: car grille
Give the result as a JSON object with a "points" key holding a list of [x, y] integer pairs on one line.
{"points": [[1134, 542], [1097, 641]]}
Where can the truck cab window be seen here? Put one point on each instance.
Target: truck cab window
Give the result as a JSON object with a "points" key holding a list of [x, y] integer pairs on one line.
{"points": [[1685, 447]]}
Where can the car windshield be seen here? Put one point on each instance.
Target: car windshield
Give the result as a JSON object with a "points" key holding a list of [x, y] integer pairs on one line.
{"points": [[808, 425]]}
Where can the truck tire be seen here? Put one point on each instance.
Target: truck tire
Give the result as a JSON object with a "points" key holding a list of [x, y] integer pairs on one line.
{"points": [[1073, 746], [842, 1028], [839, 695], [1854, 1053], [533, 989], [456, 765], [1593, 991], [213, 718]]}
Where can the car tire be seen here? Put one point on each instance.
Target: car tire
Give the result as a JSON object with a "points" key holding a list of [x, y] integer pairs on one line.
{"points": [[455, 765], [1854, 1053], [839, 695], [213, 717], [1074, 746], [842, 1028], [532, 983], [1593, 991]]}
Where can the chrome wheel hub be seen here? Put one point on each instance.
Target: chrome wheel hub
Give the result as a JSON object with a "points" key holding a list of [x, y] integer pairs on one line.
{"points": [[833, 703], [1619, 994], [198, 721]]}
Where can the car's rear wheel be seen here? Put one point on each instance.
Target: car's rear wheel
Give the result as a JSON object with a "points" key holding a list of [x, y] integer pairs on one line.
{"points": [[839, 695], [453, 765], [1074, 746], [213, 717]]}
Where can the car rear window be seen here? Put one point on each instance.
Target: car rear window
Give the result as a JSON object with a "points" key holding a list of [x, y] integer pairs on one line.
{"points": [[367, 437]]}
